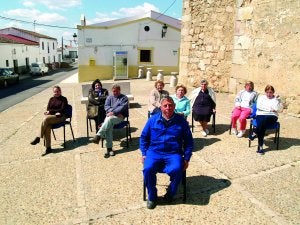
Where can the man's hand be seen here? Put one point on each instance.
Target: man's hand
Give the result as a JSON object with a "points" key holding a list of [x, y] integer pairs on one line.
{"points": [[143, 159], [185, 165], [110, 114]]}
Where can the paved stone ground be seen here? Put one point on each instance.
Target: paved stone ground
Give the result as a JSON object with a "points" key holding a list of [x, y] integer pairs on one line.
{"points": [[228, 183]]}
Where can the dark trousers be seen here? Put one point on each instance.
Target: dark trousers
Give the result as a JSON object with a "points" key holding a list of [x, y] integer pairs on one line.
{"points": [[170, 164], [262, 122]]}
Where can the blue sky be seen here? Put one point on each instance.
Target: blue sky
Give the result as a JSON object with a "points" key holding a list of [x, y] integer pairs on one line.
{"points": [[66, 13]]}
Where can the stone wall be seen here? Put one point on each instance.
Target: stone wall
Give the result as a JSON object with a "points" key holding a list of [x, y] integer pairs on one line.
{"points": [[229, 42], [207, 41]]}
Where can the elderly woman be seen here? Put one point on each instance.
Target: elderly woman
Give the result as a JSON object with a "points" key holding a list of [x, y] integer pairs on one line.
{"points": [[181, 101], [56, 113], [268, 106], [243, 103], [203, 101], [155, 96], [95, 109]]}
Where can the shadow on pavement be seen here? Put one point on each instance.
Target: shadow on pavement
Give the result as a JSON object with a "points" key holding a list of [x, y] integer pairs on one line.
{"points": [[11, 90], [200, 143], [200, 188]]}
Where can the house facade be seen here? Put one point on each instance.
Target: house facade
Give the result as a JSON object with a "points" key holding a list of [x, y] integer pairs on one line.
{"points": [[19, 48], [115, 49]]}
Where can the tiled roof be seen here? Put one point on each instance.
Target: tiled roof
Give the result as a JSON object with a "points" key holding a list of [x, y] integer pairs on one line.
{"points": [[7, 38], [34, 33]]}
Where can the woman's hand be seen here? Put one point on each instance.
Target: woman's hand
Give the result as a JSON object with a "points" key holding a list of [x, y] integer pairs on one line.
{"points": [[46, 113]]}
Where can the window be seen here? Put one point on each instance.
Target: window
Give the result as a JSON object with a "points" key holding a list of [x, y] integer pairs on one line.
{"points": [[44, 60], [48, 47], [7, 63], [145, 55], [43, 46]]}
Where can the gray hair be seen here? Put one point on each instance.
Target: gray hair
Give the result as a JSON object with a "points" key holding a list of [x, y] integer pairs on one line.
{"points": [[167, 98], [116, 86], [203, 81]]}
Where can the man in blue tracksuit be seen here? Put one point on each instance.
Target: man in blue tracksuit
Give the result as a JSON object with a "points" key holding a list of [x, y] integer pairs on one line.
{"points": [[166, 143]]}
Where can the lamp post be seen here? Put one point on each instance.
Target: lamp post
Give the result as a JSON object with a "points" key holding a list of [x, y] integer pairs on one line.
{"points": [[62, 44]]}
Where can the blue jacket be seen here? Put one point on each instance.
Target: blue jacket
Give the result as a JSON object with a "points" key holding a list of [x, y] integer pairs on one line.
{"points": [[117, 105], [170, 137]]}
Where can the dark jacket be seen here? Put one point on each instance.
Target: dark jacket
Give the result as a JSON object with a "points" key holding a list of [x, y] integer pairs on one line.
{"points": [[57, 105], [96, 99]]}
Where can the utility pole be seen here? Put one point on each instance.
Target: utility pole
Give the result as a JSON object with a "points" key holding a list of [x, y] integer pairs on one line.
{"points": [[62, 48]]}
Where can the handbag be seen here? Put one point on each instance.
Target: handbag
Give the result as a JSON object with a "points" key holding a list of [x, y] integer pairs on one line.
{"points": [[92, 111]]}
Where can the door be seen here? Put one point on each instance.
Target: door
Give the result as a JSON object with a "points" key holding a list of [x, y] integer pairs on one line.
{"points": [[120, 65], [16, 68]]}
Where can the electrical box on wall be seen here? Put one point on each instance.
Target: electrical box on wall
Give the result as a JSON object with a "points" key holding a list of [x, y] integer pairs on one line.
{"points": [[92, 62]]}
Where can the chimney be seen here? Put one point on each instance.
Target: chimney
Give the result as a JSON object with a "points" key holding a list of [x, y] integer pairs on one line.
{"points": [[82, 20]]}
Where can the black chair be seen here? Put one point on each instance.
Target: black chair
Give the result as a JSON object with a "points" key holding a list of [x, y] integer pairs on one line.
{"points": [[183, 182], [124, 124], [275, 126], [88, 124], [213, 122], [63, 124]]}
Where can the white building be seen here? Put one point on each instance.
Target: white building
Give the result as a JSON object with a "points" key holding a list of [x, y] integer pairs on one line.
{"points": [[116, 49], [19, 48]]}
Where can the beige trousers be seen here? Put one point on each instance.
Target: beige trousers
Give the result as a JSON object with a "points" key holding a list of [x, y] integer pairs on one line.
{"points": [[46, 125]]}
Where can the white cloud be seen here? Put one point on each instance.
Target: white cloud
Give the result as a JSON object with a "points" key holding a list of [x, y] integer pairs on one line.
{"points": [[35, 15], [123, 12], [28, 4], [137, 10], [61, 4]]}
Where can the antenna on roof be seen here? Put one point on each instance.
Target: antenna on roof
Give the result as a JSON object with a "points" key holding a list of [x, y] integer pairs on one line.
{"points": [[34, 25]]}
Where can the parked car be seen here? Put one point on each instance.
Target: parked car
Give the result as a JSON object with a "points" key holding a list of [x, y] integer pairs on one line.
{"points": [[8, 77], [38, 68]]}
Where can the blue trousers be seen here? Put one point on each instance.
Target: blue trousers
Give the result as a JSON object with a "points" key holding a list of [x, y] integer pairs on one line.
{"points": [[262, 122], [162, 162]]}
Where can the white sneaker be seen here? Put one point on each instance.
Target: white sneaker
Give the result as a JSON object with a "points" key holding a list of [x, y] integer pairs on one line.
{"points": [[241, 133], [204, 134], [234, 131], [206, 131]]}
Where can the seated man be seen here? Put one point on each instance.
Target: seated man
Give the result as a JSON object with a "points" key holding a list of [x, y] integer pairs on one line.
{"points": [[116, 107], [166, 144]]}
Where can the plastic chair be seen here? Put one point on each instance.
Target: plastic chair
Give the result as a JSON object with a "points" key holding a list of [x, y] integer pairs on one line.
{"points": [[275, 126], [183, 182], [64, 123], [124, 124], [213, 122]]}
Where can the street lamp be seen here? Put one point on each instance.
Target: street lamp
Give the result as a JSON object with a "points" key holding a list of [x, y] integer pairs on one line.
{"points": [[164, 30], [75, 37]]}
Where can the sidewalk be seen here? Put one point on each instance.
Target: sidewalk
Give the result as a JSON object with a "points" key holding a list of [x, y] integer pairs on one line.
{"points": [[228, 182]]}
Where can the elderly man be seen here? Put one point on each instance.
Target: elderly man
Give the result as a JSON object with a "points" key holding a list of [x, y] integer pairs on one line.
{"points": [[116, 107], [166, 144]]}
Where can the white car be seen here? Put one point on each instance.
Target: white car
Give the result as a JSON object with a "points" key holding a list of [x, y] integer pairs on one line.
{"points": [[38, 68]]}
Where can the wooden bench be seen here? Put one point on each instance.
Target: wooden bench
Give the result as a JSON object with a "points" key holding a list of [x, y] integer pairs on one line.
{"points": [[125, 89]]}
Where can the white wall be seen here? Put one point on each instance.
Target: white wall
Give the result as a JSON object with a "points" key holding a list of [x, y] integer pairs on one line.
{"points": [[21, 53], [101, 43]]}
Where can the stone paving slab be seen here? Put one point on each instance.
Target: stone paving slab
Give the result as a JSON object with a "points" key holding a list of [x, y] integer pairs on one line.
{"points": [[228, 183]]}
